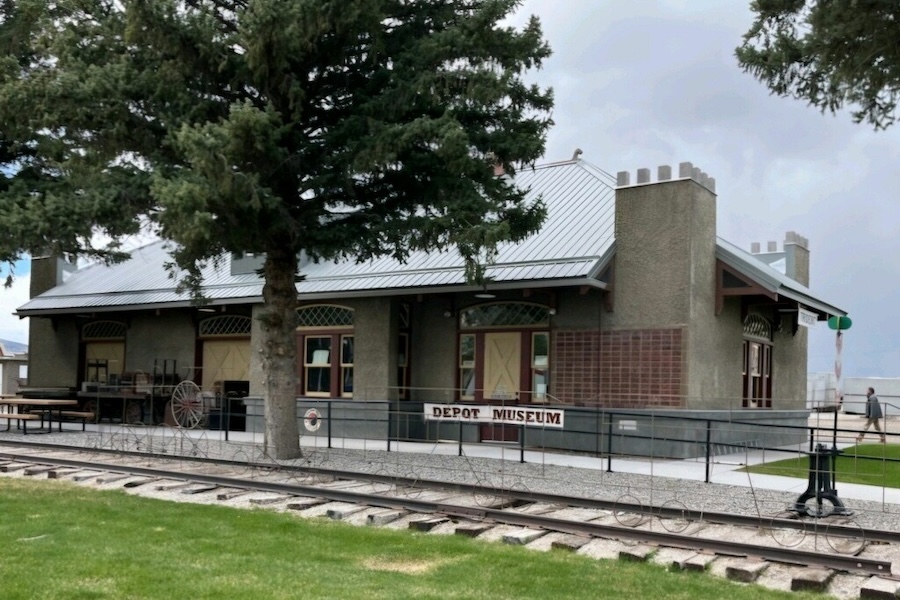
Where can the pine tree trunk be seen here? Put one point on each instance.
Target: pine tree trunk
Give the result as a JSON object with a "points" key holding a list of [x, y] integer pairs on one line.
{"points": [[279, 349]]}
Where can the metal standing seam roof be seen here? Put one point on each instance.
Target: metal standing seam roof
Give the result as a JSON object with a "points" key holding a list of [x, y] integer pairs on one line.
{"points": [[574, 244], [771, 279]]}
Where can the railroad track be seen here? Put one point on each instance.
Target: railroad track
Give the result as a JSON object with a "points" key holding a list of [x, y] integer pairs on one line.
{"points": [[523, 515]]}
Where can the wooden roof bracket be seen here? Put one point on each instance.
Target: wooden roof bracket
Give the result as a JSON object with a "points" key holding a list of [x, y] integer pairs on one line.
{"points": [[750, 287]]}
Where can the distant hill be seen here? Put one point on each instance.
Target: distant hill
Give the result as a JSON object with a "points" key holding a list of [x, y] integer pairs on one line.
{"points": [[13, 347]]}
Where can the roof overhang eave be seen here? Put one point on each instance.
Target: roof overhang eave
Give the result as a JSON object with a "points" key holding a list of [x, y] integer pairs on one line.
{"points": [[324, 295], [603, 262], [458, 288], [765, 281], [760, 277], [113, 308], [811, 303]]}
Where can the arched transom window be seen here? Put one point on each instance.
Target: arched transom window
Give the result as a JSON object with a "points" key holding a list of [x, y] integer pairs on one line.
{"points": [[225, 325], [505, 314], [103, 330]]}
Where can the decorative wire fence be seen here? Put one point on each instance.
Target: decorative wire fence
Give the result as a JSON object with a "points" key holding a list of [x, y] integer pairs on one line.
{"points": [[633, 458]]}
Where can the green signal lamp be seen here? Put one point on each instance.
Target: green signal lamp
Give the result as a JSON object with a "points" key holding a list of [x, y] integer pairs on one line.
{"points": [[839, 323]]}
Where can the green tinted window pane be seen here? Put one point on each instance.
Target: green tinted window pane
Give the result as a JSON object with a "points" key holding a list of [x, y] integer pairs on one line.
{"points": [[324, 316], [103, 330], [467, 349], [318, 350], [318, 379], [347, 350], [348, 380], [404, 316], [225, 325], [541, 346], [468, 382], [539, 384], [506, 314]]}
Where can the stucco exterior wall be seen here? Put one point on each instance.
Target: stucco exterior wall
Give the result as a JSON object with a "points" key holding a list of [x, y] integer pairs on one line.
{"points": [[9, 373], [718, 353], [52, 343], [665, 241], [52, 352], [433, 344], [375, 352], [170, 335], [577, 310], [789, 364]]}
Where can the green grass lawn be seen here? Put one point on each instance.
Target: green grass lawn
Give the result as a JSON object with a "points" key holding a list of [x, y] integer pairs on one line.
{"points": [[870, 464], [62, 541]]}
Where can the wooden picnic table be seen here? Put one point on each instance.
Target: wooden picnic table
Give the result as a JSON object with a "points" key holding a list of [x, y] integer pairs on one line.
{"points": [[12, 412], [123, 396]]}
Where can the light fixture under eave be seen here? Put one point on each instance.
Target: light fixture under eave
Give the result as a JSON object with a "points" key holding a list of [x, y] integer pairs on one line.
{"points": [[207, 309], [485, 295]]}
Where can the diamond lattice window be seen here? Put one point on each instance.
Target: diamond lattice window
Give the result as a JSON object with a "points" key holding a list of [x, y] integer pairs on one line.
{"points": [[758, 327], [506, 314], [103, 330], [324, 315], [225, 325]]}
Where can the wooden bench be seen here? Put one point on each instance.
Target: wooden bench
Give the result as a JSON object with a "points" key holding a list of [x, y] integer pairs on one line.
{"points": [[84, 415], [23, 418]]}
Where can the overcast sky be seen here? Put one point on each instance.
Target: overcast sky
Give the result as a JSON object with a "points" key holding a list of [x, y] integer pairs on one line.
{"points": [[642, 83]]}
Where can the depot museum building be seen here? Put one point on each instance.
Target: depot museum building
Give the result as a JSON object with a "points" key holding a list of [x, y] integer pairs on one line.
{"points": [[626, 313]]}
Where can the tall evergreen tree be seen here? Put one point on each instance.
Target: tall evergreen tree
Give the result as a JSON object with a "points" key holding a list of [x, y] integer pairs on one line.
{"points": [[342, 128], [831, 53]]}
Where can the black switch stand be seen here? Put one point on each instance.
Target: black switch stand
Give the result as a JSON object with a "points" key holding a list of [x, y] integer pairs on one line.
{"points": [[821, 486]]}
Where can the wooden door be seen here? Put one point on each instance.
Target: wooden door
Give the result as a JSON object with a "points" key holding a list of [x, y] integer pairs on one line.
{"points": [[502, 365], [103, 359], [502, 379], [225, 360]]}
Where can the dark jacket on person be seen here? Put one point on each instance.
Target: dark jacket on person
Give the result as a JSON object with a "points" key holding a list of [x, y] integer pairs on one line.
{"points": [[873, 408]]}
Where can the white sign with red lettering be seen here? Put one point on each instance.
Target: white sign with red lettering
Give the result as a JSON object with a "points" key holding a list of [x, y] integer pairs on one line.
{"points": [[506, 415]]}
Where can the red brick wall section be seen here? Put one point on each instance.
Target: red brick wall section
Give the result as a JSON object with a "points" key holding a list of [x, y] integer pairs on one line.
{"points": [[619, 369], [575, 376]]}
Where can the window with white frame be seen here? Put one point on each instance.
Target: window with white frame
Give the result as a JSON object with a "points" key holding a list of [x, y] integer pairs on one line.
{"points": [[540, 363], [325, 346], [467, 366]]}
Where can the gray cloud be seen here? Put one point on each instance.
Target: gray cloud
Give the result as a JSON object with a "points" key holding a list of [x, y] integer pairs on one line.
{"points": [[640, 84]]}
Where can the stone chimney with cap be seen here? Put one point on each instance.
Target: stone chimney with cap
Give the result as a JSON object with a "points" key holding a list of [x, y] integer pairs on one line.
{"points": [[792, 260], [665, 245], [52, 342], [665, 272], [48, 272]]}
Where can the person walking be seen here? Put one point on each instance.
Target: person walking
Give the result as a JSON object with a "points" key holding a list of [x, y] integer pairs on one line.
{"points": [[873, 415]]}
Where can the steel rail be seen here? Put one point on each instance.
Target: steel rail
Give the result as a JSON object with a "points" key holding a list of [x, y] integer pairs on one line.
{"points": [[721, 547], [720, 518], [773, 553], [814, 526]]}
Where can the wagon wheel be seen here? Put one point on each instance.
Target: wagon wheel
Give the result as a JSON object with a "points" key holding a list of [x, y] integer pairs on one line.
{"points": [[187, 405], [93, 406], [134, 411]]}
